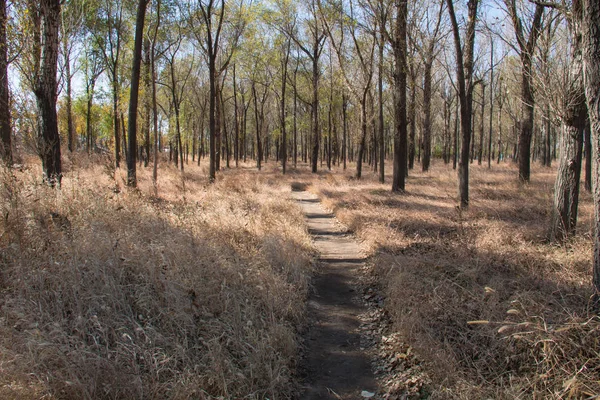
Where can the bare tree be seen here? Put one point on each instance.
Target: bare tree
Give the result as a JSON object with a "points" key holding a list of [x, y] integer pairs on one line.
{"points": [[526, 42], [428, 49], [464, 78], [218, 54], [315, 36], [72, 18], [358, 85]]}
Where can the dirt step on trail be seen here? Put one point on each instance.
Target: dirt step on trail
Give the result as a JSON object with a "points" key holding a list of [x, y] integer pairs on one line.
{"points": [[334, 365]]}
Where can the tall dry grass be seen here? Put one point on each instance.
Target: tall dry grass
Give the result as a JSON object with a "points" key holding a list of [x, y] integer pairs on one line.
{"points": [[109, 293], [441, 268]]}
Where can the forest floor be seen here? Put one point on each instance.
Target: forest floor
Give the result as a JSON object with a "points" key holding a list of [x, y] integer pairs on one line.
{"points": [[215, 291]]}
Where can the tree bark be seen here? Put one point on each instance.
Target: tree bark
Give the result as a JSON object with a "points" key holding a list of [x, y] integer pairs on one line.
{"points": [[527, 48], [5, 117], [46, 93], [134, 94], [427, 118], [236, 145], [588, 12], [314, 109], [481, 126], [381, 126], [284, 72], [566, 188], [147, 105], [412, 117], [464, 75], [400, 134], [588, 156], [154, 104]]}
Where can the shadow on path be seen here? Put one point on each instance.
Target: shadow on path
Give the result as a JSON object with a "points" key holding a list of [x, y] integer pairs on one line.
{"points": [[334, 365]]}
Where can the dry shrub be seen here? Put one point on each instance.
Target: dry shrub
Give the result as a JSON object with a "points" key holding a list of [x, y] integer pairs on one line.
{"points": [[112, 293], [441, 267]]}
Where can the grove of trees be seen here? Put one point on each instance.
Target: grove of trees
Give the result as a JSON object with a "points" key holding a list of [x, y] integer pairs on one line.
{"points": [[324, 82]]}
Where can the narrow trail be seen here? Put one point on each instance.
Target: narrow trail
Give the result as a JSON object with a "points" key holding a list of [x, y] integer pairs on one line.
{"points": [[335, 366]]}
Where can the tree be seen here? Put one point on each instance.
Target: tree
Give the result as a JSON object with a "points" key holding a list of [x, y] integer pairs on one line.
{"points": [[109, 30], [428, 51], [211, 17], [134, 95], [72, 17], [359, 86], [464, 78], [177, 83], [587, 13], [5, 117], [400, 123], [154, 103], [573, 115], [315, 35], [93, 67], [46, 90], [526, 47]]}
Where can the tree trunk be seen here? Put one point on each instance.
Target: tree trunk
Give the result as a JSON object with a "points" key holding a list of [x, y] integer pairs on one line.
{"points": [[527, 48], [284, 68], [548, 139], [147, 106], [236, 145], [212, 123], [344, 128], [315, 110], [573, 116], [5, 117], [400, 139], [134, 93], [295, 120], [427, 119], [218, 122], [490, 136], [464, 80], [380, 94], [116, 123], [455, 135], [46, 93], [363, 136], [69, 98], [566, 188], [589, 15], [154, 104], [526, 125], [258, 128], [412, 117], [481, 126], [588, 157]]}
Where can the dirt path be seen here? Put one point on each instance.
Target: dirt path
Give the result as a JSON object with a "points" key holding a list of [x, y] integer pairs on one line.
{"points": [[334, 364]]}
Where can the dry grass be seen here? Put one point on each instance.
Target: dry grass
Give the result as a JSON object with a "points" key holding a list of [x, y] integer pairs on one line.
{"points": [[441, 267], [111, 293]]}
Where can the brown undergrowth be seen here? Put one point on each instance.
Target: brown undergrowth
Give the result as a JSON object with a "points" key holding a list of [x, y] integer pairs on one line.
{"points": [[492, 307], [108, 292]]}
